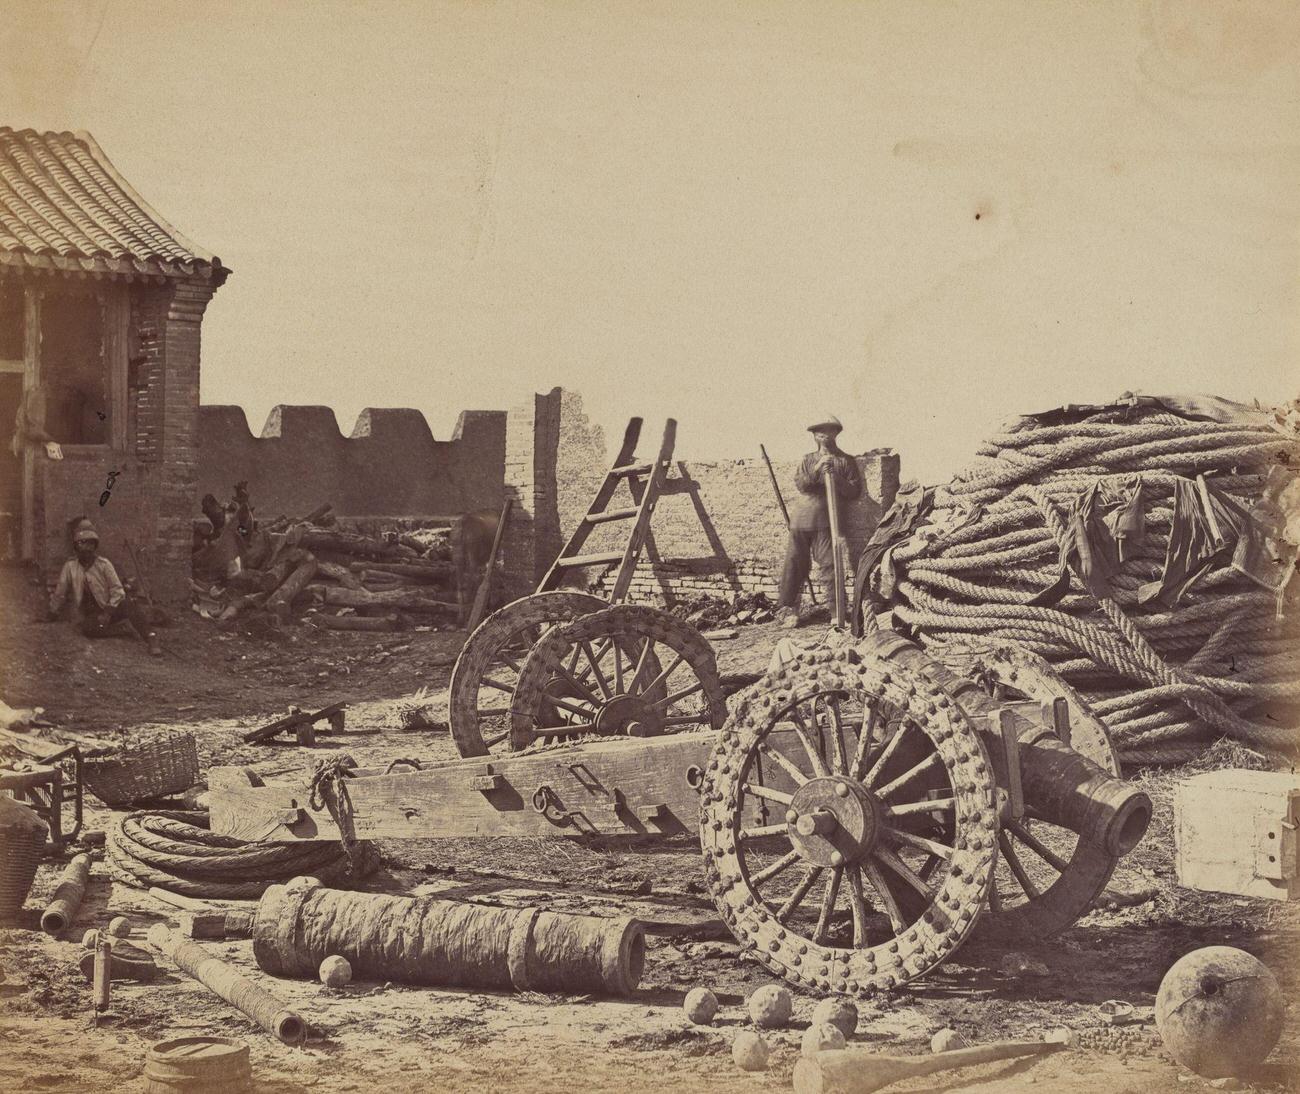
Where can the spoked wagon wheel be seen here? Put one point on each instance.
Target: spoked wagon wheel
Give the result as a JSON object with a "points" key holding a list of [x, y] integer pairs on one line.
{"points": [[487, 670], [1046, 877], [627, 670], [848, 823]]}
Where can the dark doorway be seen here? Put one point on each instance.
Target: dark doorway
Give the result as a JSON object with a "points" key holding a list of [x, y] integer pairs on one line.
{"points": [[74, 369], [11, 468]]}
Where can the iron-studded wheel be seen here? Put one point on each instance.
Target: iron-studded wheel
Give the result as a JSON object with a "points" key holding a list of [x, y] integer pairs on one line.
{"points": [[1046, 877], [848, 823], [487, 670], [628, 670]]}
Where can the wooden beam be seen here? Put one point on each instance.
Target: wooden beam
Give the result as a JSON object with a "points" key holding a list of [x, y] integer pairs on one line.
{"points": [[615, 788]]}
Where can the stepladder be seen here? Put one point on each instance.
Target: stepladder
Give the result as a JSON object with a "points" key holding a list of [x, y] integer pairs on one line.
{"points": [[628, 493]]}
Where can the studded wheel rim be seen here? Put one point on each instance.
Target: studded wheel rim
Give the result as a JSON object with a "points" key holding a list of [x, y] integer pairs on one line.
{"points": [[486, 673], [848, 823], [1046, 877], [627, 670]]}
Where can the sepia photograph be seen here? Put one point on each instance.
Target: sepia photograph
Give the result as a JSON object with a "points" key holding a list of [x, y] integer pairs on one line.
{"points": [[649, 546]]}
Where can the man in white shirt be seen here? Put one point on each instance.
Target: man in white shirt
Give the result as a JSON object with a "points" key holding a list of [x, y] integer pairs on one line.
{"points": [[98, 598]]}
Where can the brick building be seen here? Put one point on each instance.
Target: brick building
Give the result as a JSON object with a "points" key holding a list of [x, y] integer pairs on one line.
{"points": [[101, 303]]}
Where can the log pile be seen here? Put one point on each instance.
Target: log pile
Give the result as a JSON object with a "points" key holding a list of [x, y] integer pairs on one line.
{"points": [[371, 579]]}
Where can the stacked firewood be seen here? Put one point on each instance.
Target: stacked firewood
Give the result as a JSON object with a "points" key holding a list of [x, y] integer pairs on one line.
{"points": [[381, 579]]}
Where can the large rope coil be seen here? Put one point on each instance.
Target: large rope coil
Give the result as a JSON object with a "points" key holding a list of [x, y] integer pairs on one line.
{"points": [[986, 556], [174, 850]]}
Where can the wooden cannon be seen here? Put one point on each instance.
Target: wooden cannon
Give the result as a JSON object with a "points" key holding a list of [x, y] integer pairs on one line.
{"points": [[858, 809]]}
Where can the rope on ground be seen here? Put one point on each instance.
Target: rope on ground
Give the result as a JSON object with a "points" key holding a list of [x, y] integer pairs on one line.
{"points": [[174, 850]]}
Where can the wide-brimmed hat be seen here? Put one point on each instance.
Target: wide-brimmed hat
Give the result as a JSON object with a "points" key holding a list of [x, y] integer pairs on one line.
{"points": [[830, 422]]}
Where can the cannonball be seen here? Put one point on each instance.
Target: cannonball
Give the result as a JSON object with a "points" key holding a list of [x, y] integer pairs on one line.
{"points": [[769, 1007], [839, 1012], [749, 1050], [700, 1006], [1219, 1011], [119, 927], [946, 1040], [820, 1036], [335, 972], [90, 939]]}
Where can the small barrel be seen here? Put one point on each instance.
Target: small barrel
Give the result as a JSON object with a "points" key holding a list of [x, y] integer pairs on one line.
{"points": [[198, 1065]]}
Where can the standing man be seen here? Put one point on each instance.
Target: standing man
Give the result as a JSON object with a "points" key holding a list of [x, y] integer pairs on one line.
{"points": [[96, 592], [810, 523]]}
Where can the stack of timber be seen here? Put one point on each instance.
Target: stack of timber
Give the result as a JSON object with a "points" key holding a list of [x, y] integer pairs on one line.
{"points": [[366, 577]]}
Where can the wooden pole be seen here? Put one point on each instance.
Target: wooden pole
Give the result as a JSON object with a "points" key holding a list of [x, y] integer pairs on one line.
{"points": [[837, 551], [481, 597], [861, 1070], [785, 513]]}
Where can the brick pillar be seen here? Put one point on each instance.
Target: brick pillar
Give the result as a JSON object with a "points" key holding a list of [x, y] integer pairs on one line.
{"points": [[178, 501]]}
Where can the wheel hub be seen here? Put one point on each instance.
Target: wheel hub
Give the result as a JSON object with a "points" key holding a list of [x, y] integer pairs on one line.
{"points": [[628, 714], [833, 821]]}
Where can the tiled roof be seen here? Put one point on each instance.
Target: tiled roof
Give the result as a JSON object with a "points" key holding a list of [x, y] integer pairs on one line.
{"points": [[63, 206]]}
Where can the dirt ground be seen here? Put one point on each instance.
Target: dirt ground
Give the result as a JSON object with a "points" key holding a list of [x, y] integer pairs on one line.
{"points": [[371, 1036]]}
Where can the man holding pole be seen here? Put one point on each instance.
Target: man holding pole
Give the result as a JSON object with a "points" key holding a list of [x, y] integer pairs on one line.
{"points": [[813, 535]]}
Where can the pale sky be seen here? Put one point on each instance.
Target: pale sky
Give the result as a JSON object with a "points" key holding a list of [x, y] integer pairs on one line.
{"points": [[921, 216]]}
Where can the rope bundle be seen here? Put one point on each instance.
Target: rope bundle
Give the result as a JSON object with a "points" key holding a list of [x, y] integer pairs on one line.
{"points": [[1167, 680], [174, 850]]}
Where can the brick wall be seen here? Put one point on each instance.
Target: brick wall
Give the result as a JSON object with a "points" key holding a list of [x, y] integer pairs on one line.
{"points": [[389, 465], [722, 533], [145, 371]]}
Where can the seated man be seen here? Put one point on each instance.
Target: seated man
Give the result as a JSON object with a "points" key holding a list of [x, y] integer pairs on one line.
{"points": [[96, 592]]}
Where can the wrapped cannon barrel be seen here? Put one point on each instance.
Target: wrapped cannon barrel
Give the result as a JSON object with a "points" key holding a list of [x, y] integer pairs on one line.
{"points": [[1144, 549], [443, 942]]}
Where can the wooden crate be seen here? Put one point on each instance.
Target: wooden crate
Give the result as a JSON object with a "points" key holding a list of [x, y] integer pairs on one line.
{"points": [[1235, 832]]}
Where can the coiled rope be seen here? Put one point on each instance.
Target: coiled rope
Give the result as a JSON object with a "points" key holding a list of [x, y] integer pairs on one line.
{"points": [[1167, 681], [174, 850]]}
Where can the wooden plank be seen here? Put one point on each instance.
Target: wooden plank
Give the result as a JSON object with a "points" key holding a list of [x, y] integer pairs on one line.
{"points": [[619, 787], [479, 608]]}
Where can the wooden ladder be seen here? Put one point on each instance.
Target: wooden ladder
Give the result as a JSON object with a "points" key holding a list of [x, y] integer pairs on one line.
{"points": [[645, 483]]}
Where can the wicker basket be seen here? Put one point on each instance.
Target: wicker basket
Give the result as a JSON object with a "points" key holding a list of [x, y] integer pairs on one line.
{"points": [[164, 764], [22, 843]]}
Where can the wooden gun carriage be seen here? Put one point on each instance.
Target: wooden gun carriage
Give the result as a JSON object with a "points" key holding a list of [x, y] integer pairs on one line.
{"points": [[858, 809]]}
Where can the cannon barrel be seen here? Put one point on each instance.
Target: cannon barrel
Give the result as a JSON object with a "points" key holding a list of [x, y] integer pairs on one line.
{"points": [[1058, 784]]}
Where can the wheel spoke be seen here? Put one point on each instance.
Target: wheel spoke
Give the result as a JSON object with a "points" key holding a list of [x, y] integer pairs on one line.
{"points": [[597, 675], [762, 830], [785, 762], [995, 899], [908, 775], [939, 850], [641, 660], [767, 792], [858, 905], [678, 696], [828, 903], [496, 738], [510, 661], [664, 674], [1025, 836], [570, 706], [887, 897], [783, 863], [837, 734], [800, 891], [905, 872], [491, 712], [911, 809], [489, 682], [1017, 867], [886, 754], [865, 732], [805, 738], [618, 671], [584, 692], [563, 731]]}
